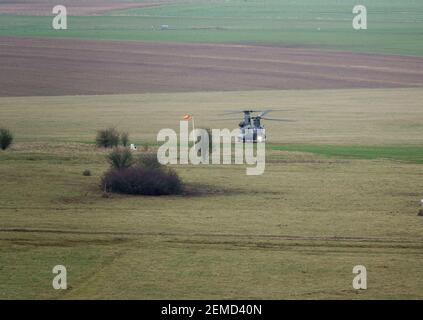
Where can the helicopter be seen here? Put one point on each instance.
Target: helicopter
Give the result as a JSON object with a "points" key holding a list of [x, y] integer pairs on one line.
{"points": [[251, 129]]}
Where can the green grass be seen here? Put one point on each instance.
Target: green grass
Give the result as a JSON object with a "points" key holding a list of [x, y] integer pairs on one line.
{"points": [[283, 9], [281, 235], [358, 117], [403, 153], [294, 232], [394, 27]]}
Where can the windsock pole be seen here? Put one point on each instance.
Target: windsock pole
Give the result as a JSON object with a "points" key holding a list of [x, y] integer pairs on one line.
{"points": [[193, 129]]}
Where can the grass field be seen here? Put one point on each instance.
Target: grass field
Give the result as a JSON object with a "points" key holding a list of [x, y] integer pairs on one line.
{"points": [[342, 187], [393, 27], [375, 117]]}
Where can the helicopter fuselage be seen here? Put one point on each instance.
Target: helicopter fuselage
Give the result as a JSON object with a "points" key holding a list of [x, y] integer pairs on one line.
{"points": [[251, 129], [252, 134], [250, 126]]}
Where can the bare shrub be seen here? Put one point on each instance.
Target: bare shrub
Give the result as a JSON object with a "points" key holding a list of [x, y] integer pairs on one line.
{"points": [[142, 181], [6, 138], [107, 138], [124, 139]]}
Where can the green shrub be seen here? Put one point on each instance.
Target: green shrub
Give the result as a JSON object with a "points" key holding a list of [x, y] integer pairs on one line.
{"points": [[120, 158], [148, 160], [142, 181], [107, 138], [86, 173], [6, 138], [124, 139]]}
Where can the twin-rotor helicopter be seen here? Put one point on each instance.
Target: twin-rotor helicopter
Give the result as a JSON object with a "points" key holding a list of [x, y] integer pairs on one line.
{"points": [[251, 129]]}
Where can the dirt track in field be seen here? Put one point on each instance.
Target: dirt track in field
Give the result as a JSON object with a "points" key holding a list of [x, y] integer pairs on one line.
{"points": [[31, 66]]}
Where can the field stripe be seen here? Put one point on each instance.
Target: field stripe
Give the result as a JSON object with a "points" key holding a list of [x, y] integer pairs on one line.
{"points": [[44, 67], [223, 235]]}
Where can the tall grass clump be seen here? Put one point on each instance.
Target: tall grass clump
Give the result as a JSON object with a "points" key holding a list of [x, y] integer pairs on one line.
{"points": [[120, 158], [107, 138], [124, 139], [6, 138]]}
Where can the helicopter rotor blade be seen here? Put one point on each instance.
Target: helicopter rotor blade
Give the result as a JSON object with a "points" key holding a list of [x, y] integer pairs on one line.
{"points": [[239, 111], [260, 115], [271, 110], [264, 112], [223, 119], [273, 119], [231, 112], [268, 110]]}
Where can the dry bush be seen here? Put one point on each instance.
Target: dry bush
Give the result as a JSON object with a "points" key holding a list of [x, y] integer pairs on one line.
{"points": [[6, 138], [107, 138], [142, 181], [124, 139]]}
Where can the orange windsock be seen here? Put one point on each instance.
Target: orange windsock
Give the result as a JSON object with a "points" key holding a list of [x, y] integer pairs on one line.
{"points": [[187, 117]]}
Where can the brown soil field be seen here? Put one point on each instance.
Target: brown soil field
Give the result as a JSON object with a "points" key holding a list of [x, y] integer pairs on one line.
{"points": [[75, 7], [40, 67]]}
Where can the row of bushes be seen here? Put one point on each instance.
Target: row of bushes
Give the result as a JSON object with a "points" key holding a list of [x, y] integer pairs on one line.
{"points": [[141, 176], [121, 158], [110, 138], [107, 138]]}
